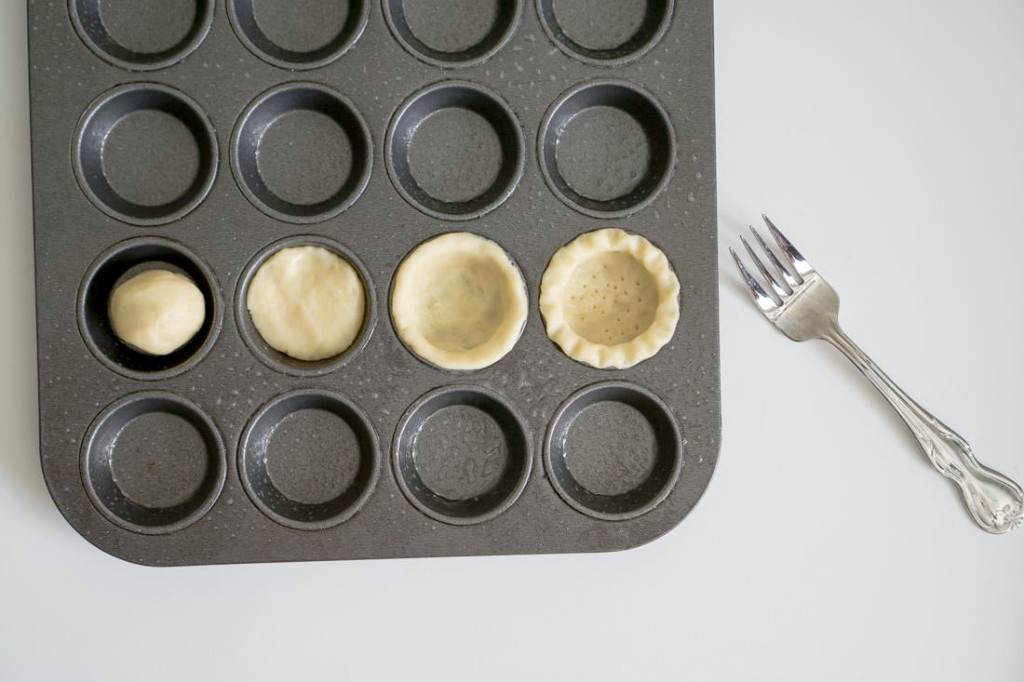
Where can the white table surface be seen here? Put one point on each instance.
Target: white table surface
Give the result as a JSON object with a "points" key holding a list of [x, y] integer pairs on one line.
{"points": [[887, 139]]}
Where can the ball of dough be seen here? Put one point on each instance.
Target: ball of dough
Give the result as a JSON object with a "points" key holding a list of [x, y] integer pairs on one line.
{"points": [[459, 301], [307, 302], [157, 311]]}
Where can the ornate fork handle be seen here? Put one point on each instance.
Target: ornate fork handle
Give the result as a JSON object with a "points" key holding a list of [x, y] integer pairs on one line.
{"points": [[995, 502], [803, 306]]}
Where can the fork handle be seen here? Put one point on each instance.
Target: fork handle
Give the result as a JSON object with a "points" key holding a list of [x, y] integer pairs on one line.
{"points": [[995, 502]]}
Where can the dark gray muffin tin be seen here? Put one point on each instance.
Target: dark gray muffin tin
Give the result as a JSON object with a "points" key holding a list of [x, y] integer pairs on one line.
{"points": [[202, 136]]}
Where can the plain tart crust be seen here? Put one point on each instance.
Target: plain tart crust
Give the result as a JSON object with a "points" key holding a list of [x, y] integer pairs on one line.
{"points": [[459, 302]]}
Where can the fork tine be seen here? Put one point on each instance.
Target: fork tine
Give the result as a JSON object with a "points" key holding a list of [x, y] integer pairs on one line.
{"points": [[781, 291], [802, 267], [757, 292], [791, 281]]}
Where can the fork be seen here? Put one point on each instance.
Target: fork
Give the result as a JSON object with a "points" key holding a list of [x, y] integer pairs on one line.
{"points": [[803, 306]]}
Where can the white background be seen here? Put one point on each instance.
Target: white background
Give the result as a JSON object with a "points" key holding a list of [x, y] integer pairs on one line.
{"points": [[887, 139]]}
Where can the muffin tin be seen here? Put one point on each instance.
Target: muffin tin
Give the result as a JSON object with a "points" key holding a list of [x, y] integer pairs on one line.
{"points": [[202, 136]]}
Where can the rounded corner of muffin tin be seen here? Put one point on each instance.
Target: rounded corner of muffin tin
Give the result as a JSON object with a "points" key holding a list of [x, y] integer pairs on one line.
{"points": [[277, 360]]}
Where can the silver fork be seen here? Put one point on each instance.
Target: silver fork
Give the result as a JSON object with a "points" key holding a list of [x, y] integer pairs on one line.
{"points": [[804, 306]]}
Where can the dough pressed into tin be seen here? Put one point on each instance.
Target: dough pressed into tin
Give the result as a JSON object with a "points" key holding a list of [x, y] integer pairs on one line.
{"points": [[157, 311], [610, 299], [307, 302], [459, 301]]}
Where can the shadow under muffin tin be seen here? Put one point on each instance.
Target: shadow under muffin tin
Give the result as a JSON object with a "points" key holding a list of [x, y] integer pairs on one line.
{"points": [[205, 135]]}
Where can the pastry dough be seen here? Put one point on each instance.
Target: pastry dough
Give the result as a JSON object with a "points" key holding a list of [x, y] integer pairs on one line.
{"points": [[459, 301], [157, 311], [610, 299], [307, 302]]}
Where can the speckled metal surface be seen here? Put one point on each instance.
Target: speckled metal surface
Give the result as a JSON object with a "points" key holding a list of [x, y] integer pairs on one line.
{"points": [[224, 453]]}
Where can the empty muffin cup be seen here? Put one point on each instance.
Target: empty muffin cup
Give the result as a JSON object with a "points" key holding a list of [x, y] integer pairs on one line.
{"points": [[452, 33], [613, 451], [607, 148], [304, 482], [301, 153], [455, 150], [304, 35], [294, 294], [461, 455], [116, 266], [153, 463], [142, 36], [605, 32], [459, 302], [145, 154]]}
